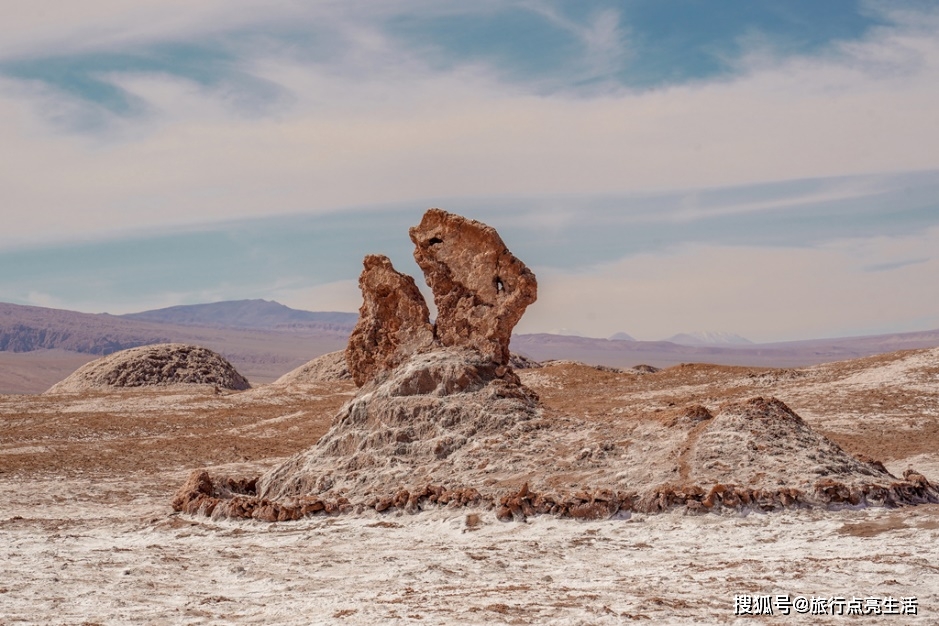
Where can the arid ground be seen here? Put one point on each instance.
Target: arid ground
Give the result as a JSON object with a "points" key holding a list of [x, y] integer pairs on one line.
{"points": [[87, 535]]}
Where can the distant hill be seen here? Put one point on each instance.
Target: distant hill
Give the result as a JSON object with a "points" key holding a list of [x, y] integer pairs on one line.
{"points": [[264, 340], [621, 336], [256, 314], [709, 338], [29, 328], [666, 353]]}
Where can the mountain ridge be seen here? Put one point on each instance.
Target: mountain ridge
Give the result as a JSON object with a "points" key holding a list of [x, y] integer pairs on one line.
{"points": [[41, 346], [257, 314], [709, 338]]}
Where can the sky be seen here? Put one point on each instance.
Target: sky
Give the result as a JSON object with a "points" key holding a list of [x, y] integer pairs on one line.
{"points": [[767, 168]]}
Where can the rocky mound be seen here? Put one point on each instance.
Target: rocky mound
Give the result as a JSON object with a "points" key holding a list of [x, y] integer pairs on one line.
{"points": [[442, 419], [521, 362], [333, 367], [327, 368], [408, 427], [155, 365]]}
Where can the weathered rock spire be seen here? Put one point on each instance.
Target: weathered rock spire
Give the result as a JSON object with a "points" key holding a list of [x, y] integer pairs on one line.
{"points": [[394, 322], [480, 288]]}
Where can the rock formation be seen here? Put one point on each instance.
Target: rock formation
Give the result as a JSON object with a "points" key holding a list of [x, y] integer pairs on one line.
{"points": [[332, 367], [441, 419], [408, 428], [394, 322], [481, 290], [155, 365]]}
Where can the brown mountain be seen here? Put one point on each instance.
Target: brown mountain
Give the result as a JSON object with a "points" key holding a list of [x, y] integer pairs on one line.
{"points": [[255, 314], [263, 340]]}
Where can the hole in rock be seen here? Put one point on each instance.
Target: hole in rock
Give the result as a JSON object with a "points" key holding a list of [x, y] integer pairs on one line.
{"points": [[500, 286], [435, 240]]}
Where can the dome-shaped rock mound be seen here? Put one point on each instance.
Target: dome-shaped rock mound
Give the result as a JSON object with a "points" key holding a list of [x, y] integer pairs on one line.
{"points": [[160, 365], [330, 367]]}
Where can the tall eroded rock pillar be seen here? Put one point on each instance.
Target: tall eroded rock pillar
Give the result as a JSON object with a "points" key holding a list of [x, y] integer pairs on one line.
{"points": [[481, 291], [480, 288], [394, 322]]}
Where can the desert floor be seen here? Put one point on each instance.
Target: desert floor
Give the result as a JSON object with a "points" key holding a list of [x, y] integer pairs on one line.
{"points": [[87, 535]]}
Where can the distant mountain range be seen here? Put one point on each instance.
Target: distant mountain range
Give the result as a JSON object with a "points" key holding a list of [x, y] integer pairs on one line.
{"points": [[28, 328], [266, 339], [709, 338], [256, 314]]}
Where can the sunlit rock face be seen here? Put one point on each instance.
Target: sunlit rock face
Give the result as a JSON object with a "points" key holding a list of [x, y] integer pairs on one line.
{"points": [[394, 322], [480, 288], [481, 291]]}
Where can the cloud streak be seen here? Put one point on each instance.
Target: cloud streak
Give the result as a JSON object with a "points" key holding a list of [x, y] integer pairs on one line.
{"points": [[137, 140], [416, 133]]}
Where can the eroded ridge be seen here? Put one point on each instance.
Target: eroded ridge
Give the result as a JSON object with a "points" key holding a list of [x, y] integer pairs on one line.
{"points": [[445, 448]]}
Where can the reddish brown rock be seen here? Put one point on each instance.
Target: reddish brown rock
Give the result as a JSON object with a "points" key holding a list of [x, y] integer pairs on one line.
{"points": [[394, 322], [480, 288]]}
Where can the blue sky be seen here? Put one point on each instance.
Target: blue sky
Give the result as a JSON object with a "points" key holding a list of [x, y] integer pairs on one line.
{"points": [[766, 168]]}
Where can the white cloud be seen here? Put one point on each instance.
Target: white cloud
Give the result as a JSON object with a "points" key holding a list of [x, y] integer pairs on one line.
{"points": [[404, 133], [602, 37], [764, 294]]}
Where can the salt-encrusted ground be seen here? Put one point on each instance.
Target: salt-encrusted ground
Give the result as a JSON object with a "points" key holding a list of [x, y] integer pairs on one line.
{"points": [[87, 535], [64, 559]]}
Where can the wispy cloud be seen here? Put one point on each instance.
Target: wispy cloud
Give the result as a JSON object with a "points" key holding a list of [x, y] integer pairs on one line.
{"points": [[590, 134], [415, 133], [599, 271], [895, 265]]}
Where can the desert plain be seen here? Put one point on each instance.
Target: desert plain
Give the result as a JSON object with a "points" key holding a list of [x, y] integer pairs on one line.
{"points": [[88, 535]]}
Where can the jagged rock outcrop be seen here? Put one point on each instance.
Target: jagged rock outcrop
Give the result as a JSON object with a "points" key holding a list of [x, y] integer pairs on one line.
{"points": [[480, 288], [481, 291], [394, 322], [157, 365]]}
